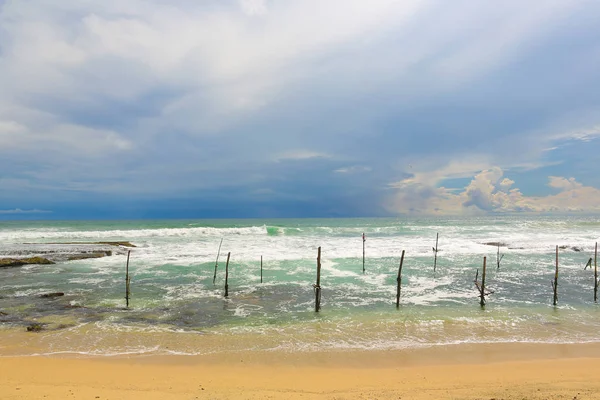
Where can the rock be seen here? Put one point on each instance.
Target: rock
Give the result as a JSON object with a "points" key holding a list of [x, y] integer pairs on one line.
{"points": [[51, 295], [17, 262], [2, 314], [35, 327], [496, 244], [574, 248], [73, 306], [124, 244], [84, 256]]}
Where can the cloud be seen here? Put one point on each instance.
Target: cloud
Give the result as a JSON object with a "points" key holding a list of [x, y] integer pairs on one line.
{"points": [[149, 98], [564, 184], [301, 155], [354, 169], [489, 192], [584, 134], [19, 211]]}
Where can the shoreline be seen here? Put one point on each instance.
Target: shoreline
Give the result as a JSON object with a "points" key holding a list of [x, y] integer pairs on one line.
{"points": [[465, 371]]}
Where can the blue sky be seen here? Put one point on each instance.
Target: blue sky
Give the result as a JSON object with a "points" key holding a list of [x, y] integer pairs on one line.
{"points": [[258, 108]]}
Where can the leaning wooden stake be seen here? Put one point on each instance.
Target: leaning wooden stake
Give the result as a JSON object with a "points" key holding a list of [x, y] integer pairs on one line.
{"points": [[555, 283], [435, 251], [499, 257], [596, 273], [227, 275], [481, 286], [364, 239], [482, 300], [217, 262], [261, 269], [127, 281], [399, 280], [317, 286]]}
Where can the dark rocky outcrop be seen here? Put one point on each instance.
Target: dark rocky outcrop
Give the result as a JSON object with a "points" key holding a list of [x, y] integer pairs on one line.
{"points": [[51, 295], [496, 244], [17, 262], [72, 306], [50, 253], [35, 327], [84, 256], [118, 243], [574, 248], [124, 244]]}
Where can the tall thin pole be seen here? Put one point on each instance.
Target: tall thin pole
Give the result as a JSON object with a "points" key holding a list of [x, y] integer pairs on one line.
{"points": [[364, 239], [318, 285], [261, 269], [482, 300], [498, 258], [227, 275], [217, 262], [435, 251], [399, 280], [596, 273], [127, 280], [555, 283]]}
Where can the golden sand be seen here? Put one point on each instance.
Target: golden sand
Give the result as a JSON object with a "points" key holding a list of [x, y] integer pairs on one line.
{"points": [[486, 371]]}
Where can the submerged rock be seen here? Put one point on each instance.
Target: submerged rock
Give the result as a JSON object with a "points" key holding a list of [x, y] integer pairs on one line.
{"points": [[84, 256], [17, 262], [73, 306], [496, 244], [35, 327], [117, 243], [574, 248], [124, 244], [51, 295]]}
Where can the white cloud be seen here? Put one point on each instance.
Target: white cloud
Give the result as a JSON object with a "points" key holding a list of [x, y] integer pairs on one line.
{"points": [[584, 134], [487, 192], [19, 211], [563, 184], [301, 155], [354, 169]]}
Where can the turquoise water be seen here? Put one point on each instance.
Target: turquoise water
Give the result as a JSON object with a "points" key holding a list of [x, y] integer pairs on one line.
{"points": [[173, 293]]}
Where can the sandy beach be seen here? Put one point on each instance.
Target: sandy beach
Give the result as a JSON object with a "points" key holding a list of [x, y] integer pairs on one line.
{"points": [[484, 371]]}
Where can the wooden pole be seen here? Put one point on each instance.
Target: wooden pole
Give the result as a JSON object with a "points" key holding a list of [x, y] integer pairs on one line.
{"points": [[435, 251], [364, 239], [399, 280], [318, 285], [482, 300], [499, 257], [596, 273], [227, 275], [555, 283], [261, 269], [217, 262], [127, 281], [481, 286]]}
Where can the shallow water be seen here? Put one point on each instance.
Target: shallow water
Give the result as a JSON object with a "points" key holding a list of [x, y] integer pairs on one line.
{"points": [[175, 308]]}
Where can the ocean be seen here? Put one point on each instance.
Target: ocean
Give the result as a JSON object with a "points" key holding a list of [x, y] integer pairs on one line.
{"points": [[176, 309]]}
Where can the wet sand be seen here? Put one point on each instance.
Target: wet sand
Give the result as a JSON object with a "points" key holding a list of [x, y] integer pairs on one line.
{"points": [[483, 371]]}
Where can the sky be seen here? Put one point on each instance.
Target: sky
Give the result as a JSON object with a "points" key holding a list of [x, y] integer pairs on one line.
{"points": [[298, 108]]}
